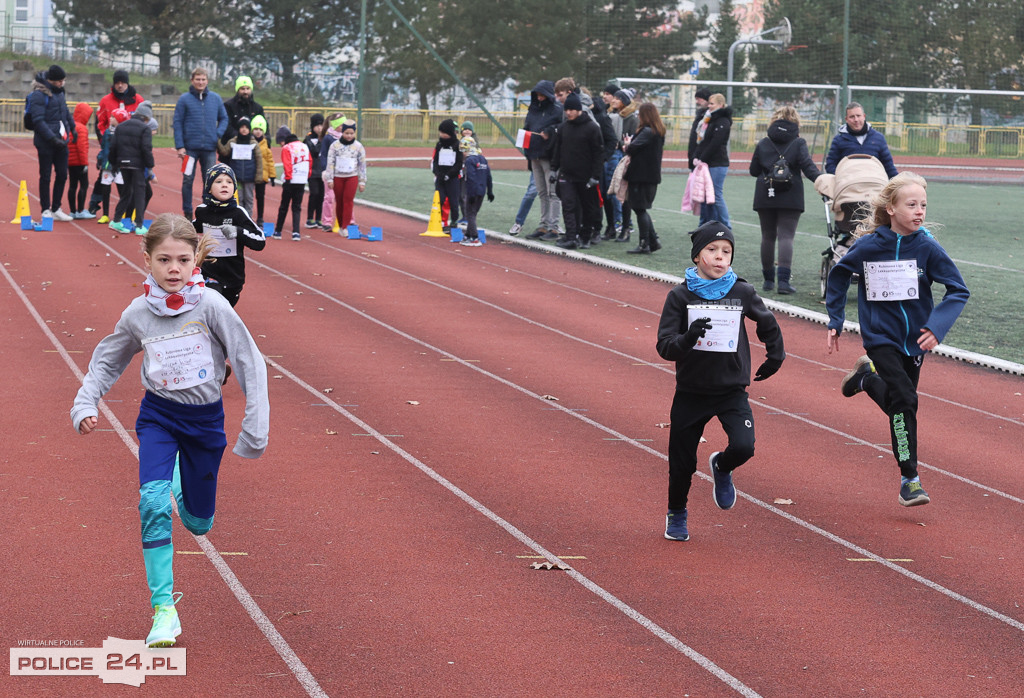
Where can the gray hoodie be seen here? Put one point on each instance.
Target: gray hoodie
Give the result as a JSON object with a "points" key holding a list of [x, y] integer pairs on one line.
{"points": [[229, 338]]}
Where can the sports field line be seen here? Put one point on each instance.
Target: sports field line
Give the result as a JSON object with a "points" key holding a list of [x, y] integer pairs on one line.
{"points": [[863, 552], [276, 640]]}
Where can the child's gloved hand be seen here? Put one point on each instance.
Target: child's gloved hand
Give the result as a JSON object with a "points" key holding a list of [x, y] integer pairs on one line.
{"points": [[553, 177], [768, 369], [273, 181], [490, 196], [229, 231], [591, 183], [698, 328]]}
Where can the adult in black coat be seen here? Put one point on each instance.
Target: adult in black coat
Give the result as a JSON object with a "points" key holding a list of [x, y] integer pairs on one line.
{"points": [[643, 174], [242, 104], [700, 98], [54, 128], [576, 165], [779, 208], [713, 150], [131, 152]]}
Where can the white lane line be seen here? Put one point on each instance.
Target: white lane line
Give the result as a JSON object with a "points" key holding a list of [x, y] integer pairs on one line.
{"points": [[863, 552], [276, 640], [522, 537], [629, 357]]}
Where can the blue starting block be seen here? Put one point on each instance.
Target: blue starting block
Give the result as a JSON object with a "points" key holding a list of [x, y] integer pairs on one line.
{"points": [[27, 224], [45, 223], [481, 235], [456, 233], [353, 232], [376, 234]]}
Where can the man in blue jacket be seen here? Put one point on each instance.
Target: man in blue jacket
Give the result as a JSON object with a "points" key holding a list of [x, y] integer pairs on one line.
{"points": [[855, 137], [199, 121], [54, 128]]}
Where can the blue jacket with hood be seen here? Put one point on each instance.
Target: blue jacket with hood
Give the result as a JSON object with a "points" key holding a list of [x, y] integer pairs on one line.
{"points": [[898, 324], [199, 120], [845, 143], [542, 116]]}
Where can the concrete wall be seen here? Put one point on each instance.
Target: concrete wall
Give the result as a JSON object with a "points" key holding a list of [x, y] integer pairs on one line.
{"points": [[17, 77]]}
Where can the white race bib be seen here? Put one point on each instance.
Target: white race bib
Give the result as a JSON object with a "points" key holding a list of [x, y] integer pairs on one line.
{"points": [[118, 179], [446, 157], [724, 334], [107, 177], [180, 361], [894, 280], [241, 151], [346, 166], [226, 247]]}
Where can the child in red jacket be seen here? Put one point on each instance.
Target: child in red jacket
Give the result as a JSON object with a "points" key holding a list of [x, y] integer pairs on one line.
{"points": [[78, 163]]}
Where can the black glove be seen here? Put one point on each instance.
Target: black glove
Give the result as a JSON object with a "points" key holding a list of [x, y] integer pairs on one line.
{"points": [[273, 181], [553, 177], [767, 369], [591, 183], [490, 196], [697, 330], [58, 143]]}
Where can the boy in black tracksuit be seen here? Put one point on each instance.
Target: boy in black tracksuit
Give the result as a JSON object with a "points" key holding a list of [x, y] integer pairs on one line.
{"points": [[231, 228], [712, 359], [131, 152], [315, 207], [446, 166], [578, 161]]}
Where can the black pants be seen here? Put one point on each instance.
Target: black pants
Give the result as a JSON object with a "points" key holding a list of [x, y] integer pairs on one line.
{"points": [[581, 209], [261, 197], [56, 159], [100, 196], [894, 389], [315, 208], [449, 191], [690, 414], [133, 196], [230, 292], [291, 196], [473, 204], [78, 187]]}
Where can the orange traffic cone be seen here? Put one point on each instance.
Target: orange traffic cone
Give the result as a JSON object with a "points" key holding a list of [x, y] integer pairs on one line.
{"points": [[23, 209], [434, 227]]}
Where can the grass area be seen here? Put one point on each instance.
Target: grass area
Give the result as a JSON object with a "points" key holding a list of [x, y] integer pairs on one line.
{"points": [[979, 228]]}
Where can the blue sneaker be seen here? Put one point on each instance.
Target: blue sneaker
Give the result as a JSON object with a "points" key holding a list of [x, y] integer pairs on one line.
{"points": [[675, 525], [913, 495], [724, 492]]}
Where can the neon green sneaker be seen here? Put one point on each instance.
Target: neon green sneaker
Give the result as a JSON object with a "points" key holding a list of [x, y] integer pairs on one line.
{"points": [[166, 626]]}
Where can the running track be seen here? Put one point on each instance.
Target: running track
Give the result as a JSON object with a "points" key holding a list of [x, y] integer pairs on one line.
{"points": [[442, 417]]}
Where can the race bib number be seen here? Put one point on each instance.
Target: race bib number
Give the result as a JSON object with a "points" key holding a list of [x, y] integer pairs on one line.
{"points": [[225, 247], [894, 280], [241, 151], [179, 361], [724, 334], [107, 177], [446, 157], [346, 166]]}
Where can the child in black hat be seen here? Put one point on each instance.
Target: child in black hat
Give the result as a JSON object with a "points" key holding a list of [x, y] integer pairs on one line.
{"points": [[703, 332], [446, 166]]}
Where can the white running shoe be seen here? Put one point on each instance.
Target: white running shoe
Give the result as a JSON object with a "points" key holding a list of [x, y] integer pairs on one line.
{"points": [[59, 215], [515, 229]]}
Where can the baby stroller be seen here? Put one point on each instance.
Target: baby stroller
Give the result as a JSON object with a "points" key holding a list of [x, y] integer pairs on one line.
{"points": [[846, 195]]}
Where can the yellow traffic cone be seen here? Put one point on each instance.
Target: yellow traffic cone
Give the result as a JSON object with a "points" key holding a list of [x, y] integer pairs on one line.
{"points": [[337, 226], [434, 227], [23, 209]]}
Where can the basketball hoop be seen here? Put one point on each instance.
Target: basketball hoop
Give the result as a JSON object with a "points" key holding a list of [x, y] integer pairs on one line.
{"points": [[784, 34]]}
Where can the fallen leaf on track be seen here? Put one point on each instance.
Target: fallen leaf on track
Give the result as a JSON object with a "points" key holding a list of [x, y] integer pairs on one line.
{"points": [[549, 397], [663, 425], [549, 566], [780, 500], [411, 402], [328, 390], [330, 432]]}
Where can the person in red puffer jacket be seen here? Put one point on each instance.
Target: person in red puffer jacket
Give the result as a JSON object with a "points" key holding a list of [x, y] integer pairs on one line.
{"points": [[78, 163]]}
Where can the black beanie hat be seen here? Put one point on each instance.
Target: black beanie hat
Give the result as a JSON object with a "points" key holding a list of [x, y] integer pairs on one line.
{"points": [[282, 133], [573, 102], [55, 73], [611, 89], [447, 126], [707, 233], [316, 120], [702, 93], [120, 76]]}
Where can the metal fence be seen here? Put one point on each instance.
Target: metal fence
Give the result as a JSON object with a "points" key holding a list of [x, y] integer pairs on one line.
{"points": [[418, 127]]}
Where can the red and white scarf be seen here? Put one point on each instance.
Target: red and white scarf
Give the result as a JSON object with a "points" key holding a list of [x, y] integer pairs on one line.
{"points": [[167, 304]]}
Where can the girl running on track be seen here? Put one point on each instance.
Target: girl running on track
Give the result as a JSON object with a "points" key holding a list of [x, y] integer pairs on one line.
{"points": [[898, 261], [185, 334]]}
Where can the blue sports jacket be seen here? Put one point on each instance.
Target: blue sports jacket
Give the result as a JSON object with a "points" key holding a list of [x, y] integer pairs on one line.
{"points": [[199, 120], [898, 323]]}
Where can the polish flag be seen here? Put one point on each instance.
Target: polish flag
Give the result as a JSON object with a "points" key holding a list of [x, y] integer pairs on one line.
{"points": [[522, 139]]}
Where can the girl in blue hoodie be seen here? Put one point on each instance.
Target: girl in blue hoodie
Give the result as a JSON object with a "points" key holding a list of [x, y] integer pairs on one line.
{"points": [[898, 260]]}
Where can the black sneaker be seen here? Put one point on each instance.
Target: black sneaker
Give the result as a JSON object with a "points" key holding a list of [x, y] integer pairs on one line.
{"points": [[913, 495], [675, 525], [537, 234], [550, 235], [568, 243], [724, 492], [853, 382]]}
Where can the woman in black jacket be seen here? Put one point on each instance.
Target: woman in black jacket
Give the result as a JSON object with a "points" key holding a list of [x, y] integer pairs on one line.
{"points": [[713, 150], [779, 207], [644, 174]]}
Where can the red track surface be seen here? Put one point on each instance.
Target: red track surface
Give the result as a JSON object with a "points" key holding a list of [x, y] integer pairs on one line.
{"points": [[389, 543]]}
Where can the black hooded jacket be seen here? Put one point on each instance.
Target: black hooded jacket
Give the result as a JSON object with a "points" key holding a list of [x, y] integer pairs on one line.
{"points": [[713, 151], [543, 116], [783, 138]]}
